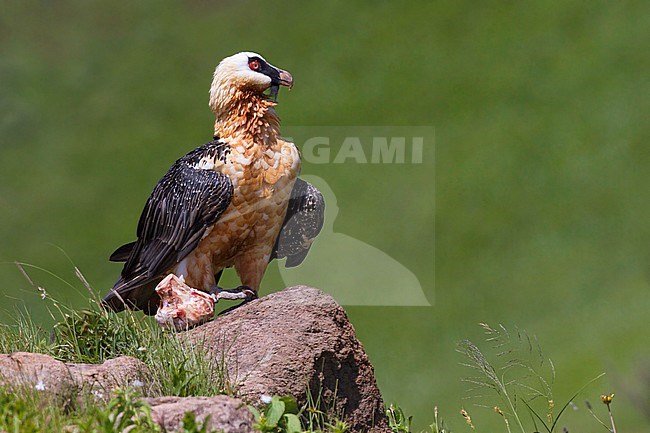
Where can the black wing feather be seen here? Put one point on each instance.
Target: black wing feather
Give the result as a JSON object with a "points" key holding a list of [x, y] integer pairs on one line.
{"points": [[302, 223], [122, 253], [184, 203]]}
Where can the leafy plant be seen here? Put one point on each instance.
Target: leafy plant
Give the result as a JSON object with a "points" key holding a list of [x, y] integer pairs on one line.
{"points": [[397, 421], [126, 411], [281, 415], [27, 411], [16, 414]]}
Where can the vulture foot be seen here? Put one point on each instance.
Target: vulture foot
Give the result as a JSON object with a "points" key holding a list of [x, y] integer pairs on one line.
{"points": [[242, 292]]}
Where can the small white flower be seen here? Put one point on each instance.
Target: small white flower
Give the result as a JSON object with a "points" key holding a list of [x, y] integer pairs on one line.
{"points": [[142, 349], [43, 293], [98, 394], [266, 399], [137, 383], [40, 386]]}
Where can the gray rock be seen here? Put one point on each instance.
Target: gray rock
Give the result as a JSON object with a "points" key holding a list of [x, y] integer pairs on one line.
{"points": [[101, 379], [44, 373], [226, 414], [293, 341], [36, 371]]}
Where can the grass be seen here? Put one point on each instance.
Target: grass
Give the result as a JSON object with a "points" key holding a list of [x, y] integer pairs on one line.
{"points": [[93, 335], [519, 380], [519, 384], [32, 411]]}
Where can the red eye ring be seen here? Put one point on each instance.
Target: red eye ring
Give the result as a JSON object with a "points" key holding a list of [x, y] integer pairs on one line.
{"points": [[254, 65]]}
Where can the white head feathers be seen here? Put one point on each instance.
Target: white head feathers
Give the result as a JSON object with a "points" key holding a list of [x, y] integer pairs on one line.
{"points": [[236, 73]]}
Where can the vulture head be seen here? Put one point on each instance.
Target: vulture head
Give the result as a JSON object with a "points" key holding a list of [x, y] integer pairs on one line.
{"points": [[245, 73]]}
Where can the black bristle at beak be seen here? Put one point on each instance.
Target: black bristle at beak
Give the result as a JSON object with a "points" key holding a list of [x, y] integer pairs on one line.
{"points": [[273, 93]]}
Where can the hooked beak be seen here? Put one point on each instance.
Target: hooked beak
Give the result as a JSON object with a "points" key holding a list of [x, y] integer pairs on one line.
{"points": [[283, 78]]}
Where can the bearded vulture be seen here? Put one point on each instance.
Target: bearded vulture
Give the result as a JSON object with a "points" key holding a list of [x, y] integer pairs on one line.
{"points": [[235, 201]]}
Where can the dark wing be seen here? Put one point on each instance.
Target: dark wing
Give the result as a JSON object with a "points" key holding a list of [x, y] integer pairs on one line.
{"points": [[184, 203], [122, 253], [303, 222]]}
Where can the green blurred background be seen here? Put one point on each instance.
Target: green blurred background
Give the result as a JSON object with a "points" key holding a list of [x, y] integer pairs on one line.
{"points": [[540, 176]]}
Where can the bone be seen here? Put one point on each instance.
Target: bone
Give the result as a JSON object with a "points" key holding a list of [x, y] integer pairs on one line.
{"points": [[181, 306]]}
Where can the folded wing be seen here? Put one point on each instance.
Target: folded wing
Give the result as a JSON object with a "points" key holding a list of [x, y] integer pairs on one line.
{"points": [[183, 205], [303, 222]]}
